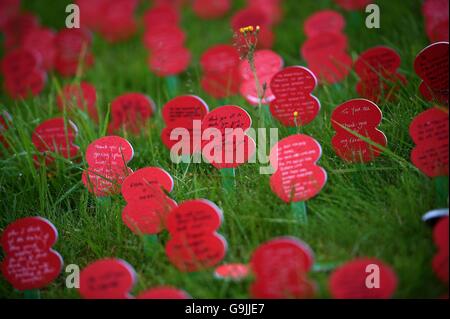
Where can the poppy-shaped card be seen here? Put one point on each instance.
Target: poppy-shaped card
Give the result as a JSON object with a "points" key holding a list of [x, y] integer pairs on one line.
{"points": [[82, 96], [294, 104], [194, 243], [429, 131], [363, 278], [107, 159], [55, 136], [353, 118], [147, 202], [280, 267], [297, 176], [30, 262], [107, 279]]}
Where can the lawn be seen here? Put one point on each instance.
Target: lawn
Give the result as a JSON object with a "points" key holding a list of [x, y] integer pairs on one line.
{"points": [[370, 209]]}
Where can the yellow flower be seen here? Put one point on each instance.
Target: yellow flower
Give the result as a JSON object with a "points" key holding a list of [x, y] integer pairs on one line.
{"points": [[295, 114]]}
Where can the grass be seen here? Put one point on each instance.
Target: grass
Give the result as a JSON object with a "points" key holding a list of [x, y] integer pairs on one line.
{"points": [[364, 210]]}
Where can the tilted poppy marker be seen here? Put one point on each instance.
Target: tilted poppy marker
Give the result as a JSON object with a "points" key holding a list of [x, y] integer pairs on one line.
{"points": [[147, 203], [429, 131], [440, 259], [377, 69], [294, 105], [107, 159], [55, 136], [357, 117], [281, 267], [194, 243], [363, 278], [297, 177], [431, 65], [30, 262]]}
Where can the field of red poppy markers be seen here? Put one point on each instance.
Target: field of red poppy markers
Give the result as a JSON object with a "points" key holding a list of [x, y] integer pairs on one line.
{"points": [[335, 184]]}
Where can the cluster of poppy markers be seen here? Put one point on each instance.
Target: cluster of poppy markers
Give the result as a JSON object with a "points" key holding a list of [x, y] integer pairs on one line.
{"points": [[194, 242]]}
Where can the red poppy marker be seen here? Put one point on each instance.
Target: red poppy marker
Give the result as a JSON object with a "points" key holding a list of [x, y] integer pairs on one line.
{"points": [[253, 16], [324, 21], [363, 278], [431, 65], [23, 73], [377, 70], [294, 104], [435, 14], [429, 131], [164, 292], [130, 111], [281, 267], [360, 117], [107, 159], [211, 9], [55, 136], [220, 66], [267, 63], [30, 262], [235, 272], [107, 279], [194, 243], [82, 96], [181, 112], [41, 40], [297, 177], [147, 203]]}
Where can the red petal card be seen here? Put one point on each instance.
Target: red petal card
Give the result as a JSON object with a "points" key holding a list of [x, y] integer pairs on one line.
{"points": [[107, 158], [8, 9], [117, 20], [436, 19], [271, 8], [30, 85], [169, 62], [297, 176], [55, 136], [17, 27], [30, 262], [248, 17], [377, 61], [331, 68], [431, 64], [130, 111], [220, 59], [325, 44], [68, 64], [440, 234], [194, 243], [292, 88], [164, 292], [19, 62], [362, 117], [211, 9], [377, 69], [83, 96], [161, 15], [148, 216], [280, 267], [363, 278], [429, 130], [352, 5], [233, 147], [232, 271], [164, 38], [41, 40], [180, 112], [107, 279], [324, 21], [145, 183], [267, 63], [221, 85], [90, 12]]}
